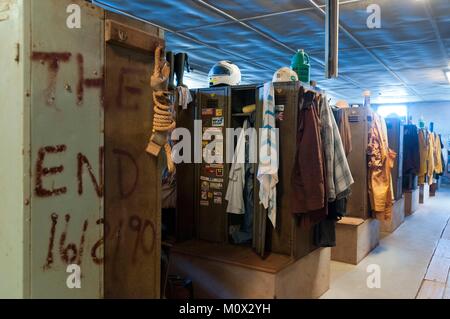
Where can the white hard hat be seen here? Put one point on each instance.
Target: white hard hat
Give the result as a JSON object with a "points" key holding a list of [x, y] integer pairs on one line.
{"points": [[342, 104], [285, 74], [224, 73]]}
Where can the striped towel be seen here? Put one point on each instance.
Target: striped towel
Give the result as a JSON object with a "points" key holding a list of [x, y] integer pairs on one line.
{"points": [[268, 156]]}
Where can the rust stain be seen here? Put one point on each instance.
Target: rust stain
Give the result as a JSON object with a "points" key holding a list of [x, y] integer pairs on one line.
{"points": [[83, 161], [17, 58], [42, 171], [130, 90], [117, 249], [80, 86], [80, 254], [150, 249], [135, 225], [51, 242], [53, 59], [124, 193], [89, 83], [144, 240], [99, 243], [70, 248]]}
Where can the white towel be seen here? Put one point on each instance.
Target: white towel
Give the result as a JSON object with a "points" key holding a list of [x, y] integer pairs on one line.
{"points": [[184, 97], [268, 159]]}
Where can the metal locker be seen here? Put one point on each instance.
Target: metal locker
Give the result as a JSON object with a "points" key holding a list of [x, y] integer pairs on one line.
{"points": [[51, 172], [211, 222], [132, 218], [288, 238], [244, 95], [395, 139], [213, 108], [186, 178], [360, 120]]}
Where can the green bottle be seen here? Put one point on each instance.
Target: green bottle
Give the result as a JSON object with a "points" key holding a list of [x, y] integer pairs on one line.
{"points": [[301, 65]]}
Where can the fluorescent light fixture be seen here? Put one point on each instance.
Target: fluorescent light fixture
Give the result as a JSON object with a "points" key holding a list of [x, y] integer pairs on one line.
{"points": [[399, 110], [447, 74]]}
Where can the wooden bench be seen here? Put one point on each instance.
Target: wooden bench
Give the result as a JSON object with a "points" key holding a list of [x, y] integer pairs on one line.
{"points": [[227, 271], [355, 238]]}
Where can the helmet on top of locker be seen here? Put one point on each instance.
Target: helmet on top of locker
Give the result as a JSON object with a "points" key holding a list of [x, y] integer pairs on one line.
{"points": [[285, 75], [224, 73]]}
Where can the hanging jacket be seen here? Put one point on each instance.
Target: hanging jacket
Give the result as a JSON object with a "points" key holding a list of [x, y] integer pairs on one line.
{"points": [[430, 158], [381, 162], [268, 159], [411, 152], [442, 154], [308, 178], [423, 152], [339, 177], [236, 183], [343, 178], [346, 133], [327, 137], [438, 167]]}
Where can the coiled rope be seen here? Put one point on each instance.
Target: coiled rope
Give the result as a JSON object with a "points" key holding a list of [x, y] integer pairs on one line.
{"points": [[163, 122]]}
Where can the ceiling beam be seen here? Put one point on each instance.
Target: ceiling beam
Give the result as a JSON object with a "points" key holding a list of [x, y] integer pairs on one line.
{"points": [[369, 52]]}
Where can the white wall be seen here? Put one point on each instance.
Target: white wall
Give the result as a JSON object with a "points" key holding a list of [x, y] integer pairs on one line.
{"points": [[436, 112]]}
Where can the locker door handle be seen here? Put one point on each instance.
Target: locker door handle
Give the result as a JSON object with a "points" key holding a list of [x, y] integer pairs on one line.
{"points": [[123, 35], [129, 37]]}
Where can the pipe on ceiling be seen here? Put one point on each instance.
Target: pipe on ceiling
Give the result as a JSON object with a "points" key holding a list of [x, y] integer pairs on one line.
{"points": [[332, 39]]}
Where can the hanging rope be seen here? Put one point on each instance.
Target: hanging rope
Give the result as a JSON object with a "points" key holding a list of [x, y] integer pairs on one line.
{"points": [[163, 122]]}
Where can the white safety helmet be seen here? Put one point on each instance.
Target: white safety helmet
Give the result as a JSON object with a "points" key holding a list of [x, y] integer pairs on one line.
{"points": [[224, 73], [342, 104], [285, 75]]}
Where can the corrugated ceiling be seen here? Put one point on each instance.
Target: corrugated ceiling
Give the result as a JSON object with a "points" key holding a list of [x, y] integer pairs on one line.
{"points": [[403, 61]]}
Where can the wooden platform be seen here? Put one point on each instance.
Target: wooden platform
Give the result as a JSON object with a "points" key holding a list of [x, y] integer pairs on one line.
{"points": [[424, 193], [355, 238], [227, 271], [433, 189], [398, 217], [411, 201]]}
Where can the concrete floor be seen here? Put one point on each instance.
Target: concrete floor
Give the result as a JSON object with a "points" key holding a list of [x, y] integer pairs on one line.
{"points": [[403, 257]]}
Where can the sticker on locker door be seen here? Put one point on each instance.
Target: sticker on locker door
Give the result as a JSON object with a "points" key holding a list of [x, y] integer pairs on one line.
{"points": [[218, 121]]}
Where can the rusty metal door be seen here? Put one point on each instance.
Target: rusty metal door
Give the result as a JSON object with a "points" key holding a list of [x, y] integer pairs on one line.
{"points": [[66, 149], [358, 203], [132, 177], [211, 216]]}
